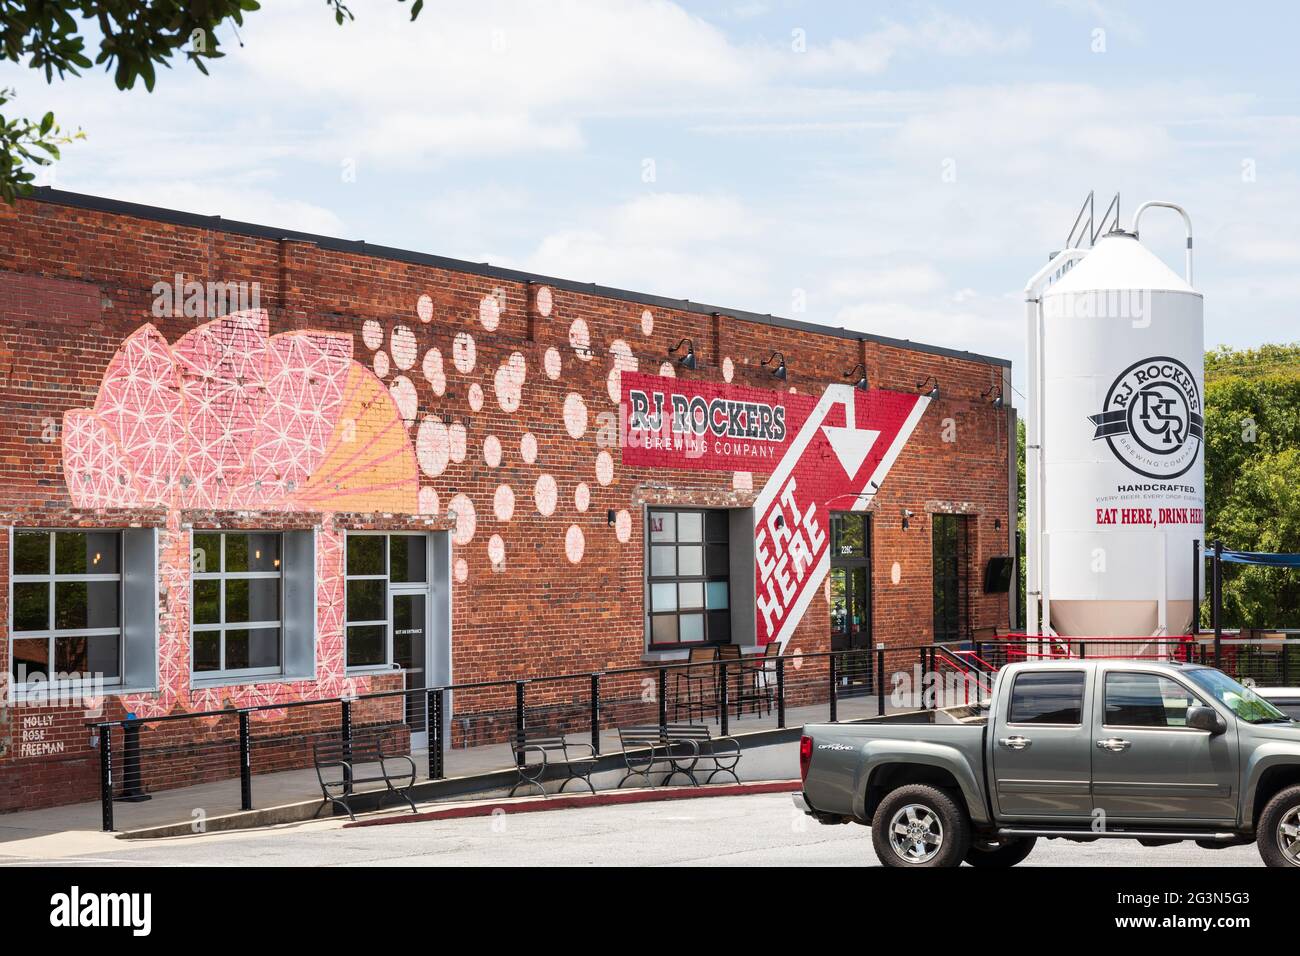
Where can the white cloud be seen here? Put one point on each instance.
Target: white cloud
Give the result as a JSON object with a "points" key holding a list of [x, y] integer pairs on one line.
{"points": [[686, 246], [938, 33], [917, 279]]}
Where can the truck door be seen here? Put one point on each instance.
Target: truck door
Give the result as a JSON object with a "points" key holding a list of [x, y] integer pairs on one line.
{"points": [[1042, 747], [1149, 765]]}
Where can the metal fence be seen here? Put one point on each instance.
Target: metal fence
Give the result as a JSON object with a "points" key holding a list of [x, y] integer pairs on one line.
{"points": [[468, 726]]}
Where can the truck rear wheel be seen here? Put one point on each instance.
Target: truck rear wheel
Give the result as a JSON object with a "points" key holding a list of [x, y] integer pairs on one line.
{"points": [[920, 826], [1278, 833], [984, 853]]}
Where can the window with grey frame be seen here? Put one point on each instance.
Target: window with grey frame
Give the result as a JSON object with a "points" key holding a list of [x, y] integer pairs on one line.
{"points": [[689, 577], [237, 611], [374, 564], [66, 606]]}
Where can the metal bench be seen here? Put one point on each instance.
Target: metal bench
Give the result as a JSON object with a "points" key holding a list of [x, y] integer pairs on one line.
{"points": [[718, 754], [677, 748], [647, 749], [360, 761], [551, 755]]}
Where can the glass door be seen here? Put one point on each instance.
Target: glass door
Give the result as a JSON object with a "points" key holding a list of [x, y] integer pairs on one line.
{"points": [[408, 610], [950, 587], [851, 599]]}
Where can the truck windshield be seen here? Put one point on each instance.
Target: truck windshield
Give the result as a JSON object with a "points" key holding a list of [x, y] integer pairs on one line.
{"points": [[1243, 701]]}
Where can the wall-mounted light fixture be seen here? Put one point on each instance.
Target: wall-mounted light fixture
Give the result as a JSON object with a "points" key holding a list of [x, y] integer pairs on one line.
{"points": [[688, 360], [934, 391], [780, 370], [861, 384], [907, 515], [611, 518], [996, 400], [997, 524]]}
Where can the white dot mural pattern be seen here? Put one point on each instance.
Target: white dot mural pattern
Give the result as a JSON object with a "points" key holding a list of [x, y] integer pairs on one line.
{"points": [[489, 312], [575, 415], [545, 495], [580, 339], [528, 448], [624, 361], [574, 544], [403, 392], [545, 302], [459, 442], [647, 322], [728, 369], [492, 451], [476, 397], [496, 550], [503, 503], [582, 496], [551, 362], [667, 371], [433, 372], [381, 364], [466, 520], [509, 382], [463, 352], [424, 308], [462, 570], [604, 468], [428, 501], [432, 447], [403, 347], [623, 526], [372, 333]]}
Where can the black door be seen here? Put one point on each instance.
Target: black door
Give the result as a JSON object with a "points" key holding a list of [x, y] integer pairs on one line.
{"points": [[951, 589], [851, 599]]}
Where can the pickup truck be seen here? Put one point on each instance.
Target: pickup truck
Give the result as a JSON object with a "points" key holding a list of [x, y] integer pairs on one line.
{"points": [[1076, 750]]}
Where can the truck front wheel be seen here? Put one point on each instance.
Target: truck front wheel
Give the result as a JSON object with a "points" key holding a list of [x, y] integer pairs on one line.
{"points": [[983, 853], [920, 826], [1278, 834]]}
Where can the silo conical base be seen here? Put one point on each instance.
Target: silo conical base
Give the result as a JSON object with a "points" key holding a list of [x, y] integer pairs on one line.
{"points": [[1118, 618]]}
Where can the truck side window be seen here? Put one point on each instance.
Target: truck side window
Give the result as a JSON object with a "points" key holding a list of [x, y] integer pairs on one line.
{"points": [[1047, 697], [1146, 700]]}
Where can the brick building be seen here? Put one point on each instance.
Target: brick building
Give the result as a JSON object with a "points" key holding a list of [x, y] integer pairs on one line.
{"points": [[242, 466]]}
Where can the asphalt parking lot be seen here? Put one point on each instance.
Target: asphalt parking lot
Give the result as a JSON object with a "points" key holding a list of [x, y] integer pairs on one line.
{"points": [[752, 830]]}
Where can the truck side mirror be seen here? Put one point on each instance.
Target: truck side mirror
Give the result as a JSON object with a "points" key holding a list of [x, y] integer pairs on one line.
{"points": [[1200, 717]]}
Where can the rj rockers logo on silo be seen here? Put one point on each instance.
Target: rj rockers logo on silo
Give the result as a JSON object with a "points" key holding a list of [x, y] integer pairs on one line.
{"points": [[1152, 419]]}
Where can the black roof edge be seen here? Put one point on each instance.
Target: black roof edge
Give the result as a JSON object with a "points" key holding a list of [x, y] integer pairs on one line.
{"points": [[177, 217]]}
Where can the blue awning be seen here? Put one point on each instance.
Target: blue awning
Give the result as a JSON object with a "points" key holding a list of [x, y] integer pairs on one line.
{"points": [[1262, 557]]}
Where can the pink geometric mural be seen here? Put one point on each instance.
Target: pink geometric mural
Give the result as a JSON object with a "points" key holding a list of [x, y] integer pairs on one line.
{"points": [[231, 418], [228, 417]]}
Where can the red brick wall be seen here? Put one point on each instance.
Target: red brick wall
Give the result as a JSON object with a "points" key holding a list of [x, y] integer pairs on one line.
{"points": [[76, 282]]}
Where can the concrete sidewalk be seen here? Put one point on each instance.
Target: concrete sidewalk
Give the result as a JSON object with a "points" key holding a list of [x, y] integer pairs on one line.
{"points": [[483, 772]]}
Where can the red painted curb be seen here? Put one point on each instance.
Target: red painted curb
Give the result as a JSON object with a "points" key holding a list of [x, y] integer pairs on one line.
{"points": [[569, 801]]}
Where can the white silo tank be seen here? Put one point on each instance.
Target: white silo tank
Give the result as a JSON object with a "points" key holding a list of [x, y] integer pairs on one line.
{"points": [[1122, 479]]}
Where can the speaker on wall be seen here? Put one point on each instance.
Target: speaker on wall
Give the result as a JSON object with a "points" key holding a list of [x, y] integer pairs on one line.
{"points": [[998, 573]]}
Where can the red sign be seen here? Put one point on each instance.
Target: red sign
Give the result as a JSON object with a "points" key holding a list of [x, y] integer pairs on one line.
{"points": [[669, 423], [836, 462], [821, 455]]}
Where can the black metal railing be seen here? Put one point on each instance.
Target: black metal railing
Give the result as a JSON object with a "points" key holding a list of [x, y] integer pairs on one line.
{"points": [[764, 691], [756, 692]]}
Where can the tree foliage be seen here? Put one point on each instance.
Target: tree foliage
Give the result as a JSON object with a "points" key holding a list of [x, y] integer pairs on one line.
{"points": [[1252, 477], [133, 39]]}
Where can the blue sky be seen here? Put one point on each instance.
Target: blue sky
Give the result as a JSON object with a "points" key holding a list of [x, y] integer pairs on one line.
{"points": [[898, 168]]}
